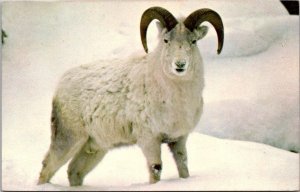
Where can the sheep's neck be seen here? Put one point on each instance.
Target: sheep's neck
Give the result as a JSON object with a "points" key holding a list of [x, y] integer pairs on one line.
{"points": [[166, 88]]}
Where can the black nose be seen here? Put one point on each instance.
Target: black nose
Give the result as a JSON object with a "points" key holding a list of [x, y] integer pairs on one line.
{"points": [[180, 63]]}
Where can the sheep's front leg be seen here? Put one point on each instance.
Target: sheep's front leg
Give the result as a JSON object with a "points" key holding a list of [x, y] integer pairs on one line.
{"points": [[151, 148], [178, 149]]}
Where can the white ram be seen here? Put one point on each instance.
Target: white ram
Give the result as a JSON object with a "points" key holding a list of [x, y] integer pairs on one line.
{"points": [[148, 100]]}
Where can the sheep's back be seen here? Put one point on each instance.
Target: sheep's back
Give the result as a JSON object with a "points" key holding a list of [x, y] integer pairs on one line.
{"points": [[98, 95]]}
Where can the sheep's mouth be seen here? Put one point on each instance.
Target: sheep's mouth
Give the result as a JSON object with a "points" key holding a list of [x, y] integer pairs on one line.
{"points": [[179, 70]]}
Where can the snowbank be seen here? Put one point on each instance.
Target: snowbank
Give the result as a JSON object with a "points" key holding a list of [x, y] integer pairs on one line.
{"points": [[256, 97]]}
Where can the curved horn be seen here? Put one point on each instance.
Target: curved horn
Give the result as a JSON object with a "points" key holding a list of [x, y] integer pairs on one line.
{"points": [[163, 15], [201, 15]]}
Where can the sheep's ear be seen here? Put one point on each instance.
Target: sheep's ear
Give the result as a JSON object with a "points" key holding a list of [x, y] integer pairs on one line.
{"points": [[201, 31], [159, 26]]}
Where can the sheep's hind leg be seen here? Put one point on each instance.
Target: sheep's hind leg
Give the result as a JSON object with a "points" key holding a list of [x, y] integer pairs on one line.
{"points": [[84, 161], [178, 149], [65, 142], [61, 150]]}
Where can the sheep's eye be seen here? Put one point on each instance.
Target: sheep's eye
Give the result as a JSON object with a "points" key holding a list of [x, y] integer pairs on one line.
{"points": [[166, 41], [194, 41]]}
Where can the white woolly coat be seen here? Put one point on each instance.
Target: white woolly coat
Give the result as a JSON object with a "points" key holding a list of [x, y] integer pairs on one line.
{"points": [[127, 101]]}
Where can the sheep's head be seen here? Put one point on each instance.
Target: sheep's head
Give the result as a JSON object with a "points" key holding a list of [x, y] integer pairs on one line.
{"points": [[178, 39]]}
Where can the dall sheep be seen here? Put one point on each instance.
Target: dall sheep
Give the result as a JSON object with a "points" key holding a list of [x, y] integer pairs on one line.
{"points": [[148, 100]]}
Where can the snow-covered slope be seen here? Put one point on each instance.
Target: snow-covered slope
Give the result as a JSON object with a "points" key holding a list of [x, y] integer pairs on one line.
{"points": [[256, 96], [252, 92], [215, 164]]}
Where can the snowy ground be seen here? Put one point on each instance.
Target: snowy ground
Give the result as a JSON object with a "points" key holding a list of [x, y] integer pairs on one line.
{"points": [[215, 164], [252, 93]]}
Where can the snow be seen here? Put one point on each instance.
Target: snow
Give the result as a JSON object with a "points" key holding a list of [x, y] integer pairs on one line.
{"points": [[251, 93], [215, 164], [256, 97]]}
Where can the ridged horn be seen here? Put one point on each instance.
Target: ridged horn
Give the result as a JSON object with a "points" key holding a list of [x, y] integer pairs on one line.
{"points": [[201, 15], [159, 13]]}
